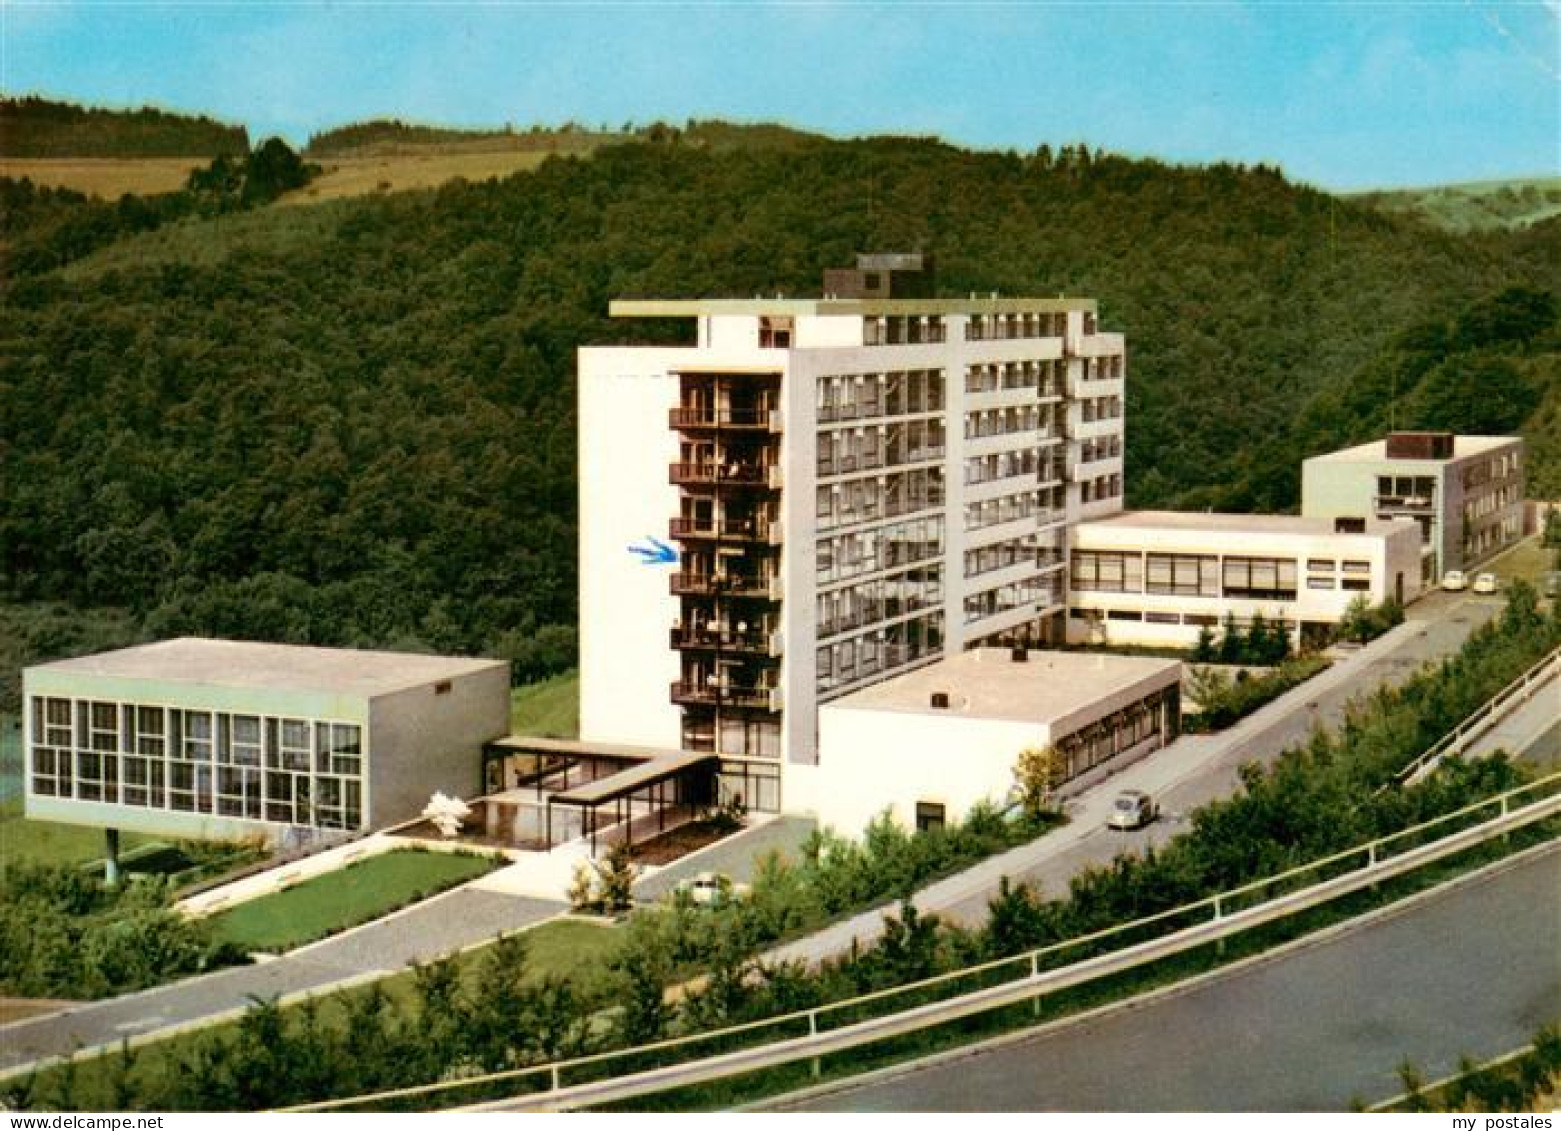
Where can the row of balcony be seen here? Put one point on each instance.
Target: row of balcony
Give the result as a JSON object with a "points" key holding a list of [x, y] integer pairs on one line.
{"points": [[739, 640], [757, 530], [718, 692], [754, 585], [757, 419], [874, 460], [732, 473]]}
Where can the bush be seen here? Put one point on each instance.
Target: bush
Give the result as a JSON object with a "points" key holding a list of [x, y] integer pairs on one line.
{"points": [[1223, 700]]}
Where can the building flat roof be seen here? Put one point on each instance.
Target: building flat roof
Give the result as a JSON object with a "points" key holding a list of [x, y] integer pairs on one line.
{"points": [[986, 683], [1233, 523], [824, 307], [1377, 450], [278, 667]]}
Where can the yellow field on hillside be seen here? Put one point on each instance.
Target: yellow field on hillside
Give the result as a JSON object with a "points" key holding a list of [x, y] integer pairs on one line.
{"points": [[360, 176], [113, 177], [108, 177]]}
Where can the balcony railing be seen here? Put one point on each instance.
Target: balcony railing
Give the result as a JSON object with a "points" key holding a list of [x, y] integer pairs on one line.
{"points": [[739, 474], [717, 694], [754, 642], [725, 585], [1418, 504], [730, 530], [698, 416]]}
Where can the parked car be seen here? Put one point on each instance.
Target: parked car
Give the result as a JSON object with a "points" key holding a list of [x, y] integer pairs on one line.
{"points": [[1455, 580], [1486, 583], [1133, 809], [709, 889]]}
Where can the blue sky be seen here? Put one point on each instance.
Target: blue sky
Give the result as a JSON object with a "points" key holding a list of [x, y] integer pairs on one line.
{"points": [[1345, 95]]}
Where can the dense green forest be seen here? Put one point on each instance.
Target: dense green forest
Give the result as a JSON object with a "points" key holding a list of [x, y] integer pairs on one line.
{"points": [[382, 135], [355, 423], [40, 127]]}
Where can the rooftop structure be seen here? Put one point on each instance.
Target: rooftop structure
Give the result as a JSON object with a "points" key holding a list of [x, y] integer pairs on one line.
{"points": [[274, 667], [1045, 688]]}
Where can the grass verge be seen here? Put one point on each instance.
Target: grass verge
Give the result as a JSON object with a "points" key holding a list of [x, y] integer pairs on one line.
{"points": [[344, 898], [562, 947], [549, 708]]}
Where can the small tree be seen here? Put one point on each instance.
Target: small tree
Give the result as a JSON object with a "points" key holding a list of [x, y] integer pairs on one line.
{"points": [[615, 876], [1232, 643], [1204, 651], [1552, 535], [1358, 623], [1037, 774]]}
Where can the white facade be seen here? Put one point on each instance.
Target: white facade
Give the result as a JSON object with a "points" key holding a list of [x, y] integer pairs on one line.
{"points": [[1159, 577], [839, 491], [227, 739], [889, 748], [1464, 492]]}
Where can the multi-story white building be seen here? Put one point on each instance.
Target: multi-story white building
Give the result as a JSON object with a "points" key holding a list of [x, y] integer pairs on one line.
{"points": [[1465, 492], [1161, 577], [819, 494]]}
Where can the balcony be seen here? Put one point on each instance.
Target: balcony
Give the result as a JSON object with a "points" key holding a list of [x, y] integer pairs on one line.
{"points": [[715, 693], [1405, 504], [755, 530], [723, 585], [759, 641], [698, 417], [717, 474]]}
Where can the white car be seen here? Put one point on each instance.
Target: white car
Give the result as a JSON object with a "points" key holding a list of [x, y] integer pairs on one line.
{"points": [[1133, 809], [709, 889], [1486, 583], [1455, 581]]}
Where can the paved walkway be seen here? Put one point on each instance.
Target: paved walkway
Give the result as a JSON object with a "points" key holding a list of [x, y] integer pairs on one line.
{"points": [[1191, 771], [737, 856], [452, 921]]}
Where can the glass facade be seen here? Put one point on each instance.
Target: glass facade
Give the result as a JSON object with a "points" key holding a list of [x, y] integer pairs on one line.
{"points": [[292, 771]]}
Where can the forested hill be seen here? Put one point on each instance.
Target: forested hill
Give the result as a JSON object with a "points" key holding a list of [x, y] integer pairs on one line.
{"points": [[355, 423], [39, 127]]}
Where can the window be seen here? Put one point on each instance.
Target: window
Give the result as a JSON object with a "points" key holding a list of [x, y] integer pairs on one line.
{"points": [[1266, 579], [1357, 567], [1357, 584], [1124, 614], [1190, 575], [1108, 571], [930, 815], [1321, 564], [1162, 618], [1319, 583]]}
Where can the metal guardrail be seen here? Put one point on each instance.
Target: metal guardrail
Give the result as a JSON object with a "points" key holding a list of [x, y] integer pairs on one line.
{"points": [[1492, 709], [807, 1033]]}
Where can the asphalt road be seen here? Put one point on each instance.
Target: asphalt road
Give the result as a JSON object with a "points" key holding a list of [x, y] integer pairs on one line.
{"points": [[1472, 971], [435, 927]]}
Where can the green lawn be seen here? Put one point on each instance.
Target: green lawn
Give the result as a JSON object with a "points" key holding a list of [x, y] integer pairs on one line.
{"points": [[549, 709], [344, 898], [1527, 560], [565, 947]]}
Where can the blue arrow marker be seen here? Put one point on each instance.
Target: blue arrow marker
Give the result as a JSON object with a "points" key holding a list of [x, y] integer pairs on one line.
{"points": [[657, 553]]}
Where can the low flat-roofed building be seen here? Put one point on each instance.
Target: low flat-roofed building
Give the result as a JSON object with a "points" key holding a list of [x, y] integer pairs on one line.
{"points": [[931, 743], [1160, 577], [1464, 492], [224, 738]]}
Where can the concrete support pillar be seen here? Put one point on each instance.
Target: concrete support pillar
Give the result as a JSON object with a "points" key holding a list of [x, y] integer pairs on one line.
{"points": [[111, 857]]}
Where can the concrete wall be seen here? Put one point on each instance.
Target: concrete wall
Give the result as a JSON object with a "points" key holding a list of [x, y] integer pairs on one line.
{"points": [[424, 740], [872, 760], [626, 447]]}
